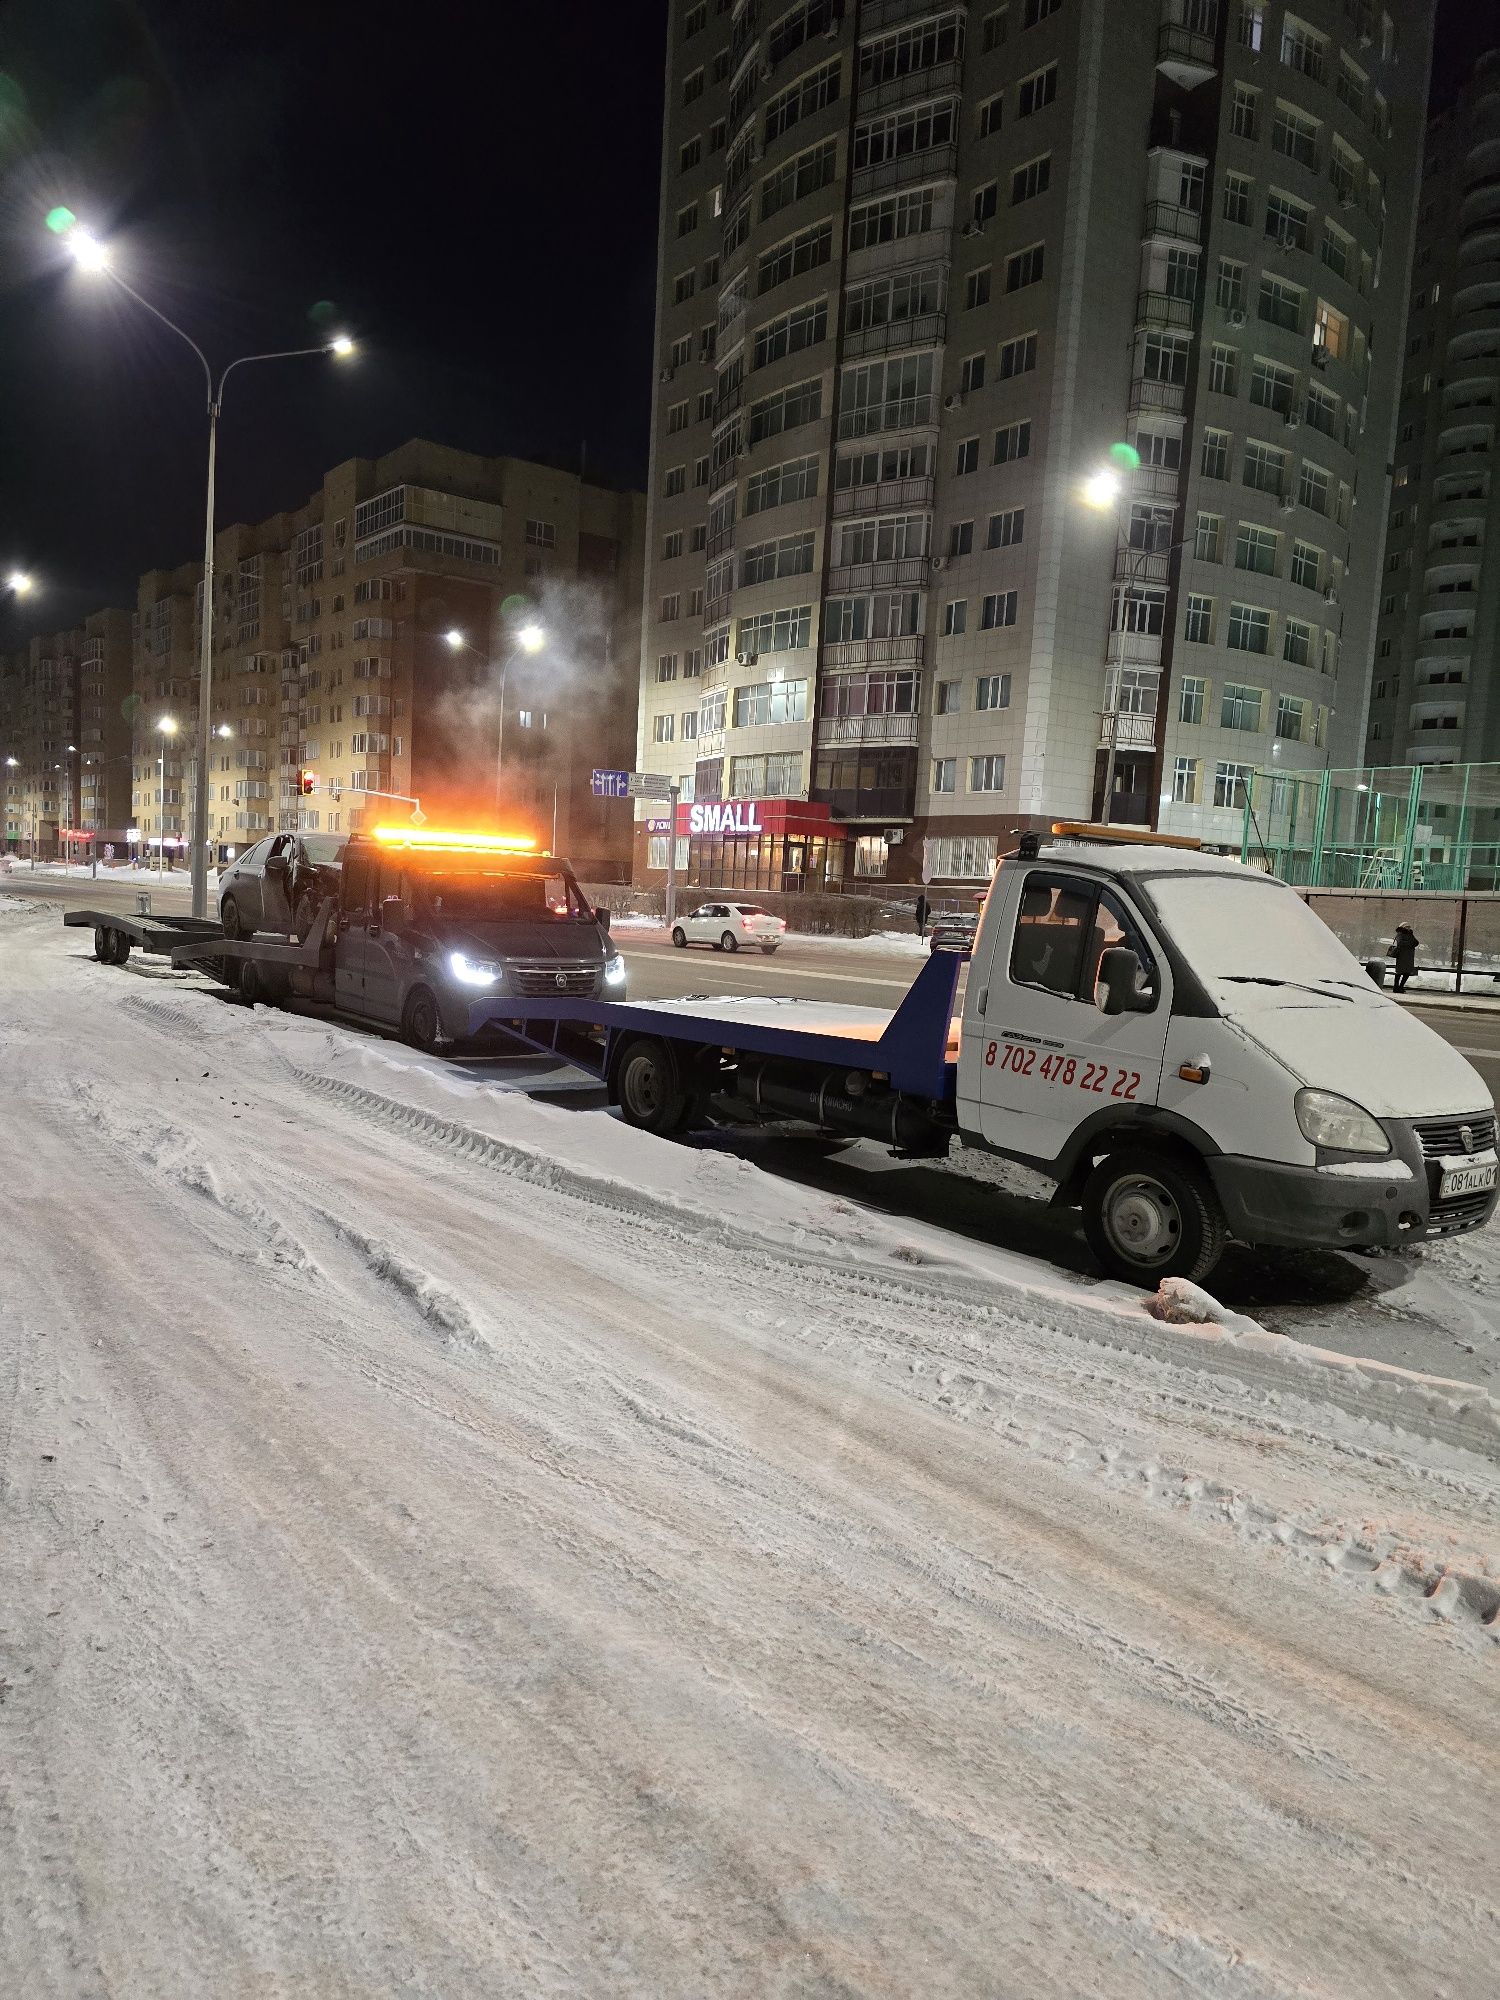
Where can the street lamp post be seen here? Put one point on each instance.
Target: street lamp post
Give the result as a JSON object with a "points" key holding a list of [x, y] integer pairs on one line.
{"points": [[92, 255], [529, 639], [165, 728]]}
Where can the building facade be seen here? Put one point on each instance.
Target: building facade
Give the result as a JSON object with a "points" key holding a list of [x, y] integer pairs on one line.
{"points": [[365, 656], [1435, 697], [65, 731], [933, 278]]}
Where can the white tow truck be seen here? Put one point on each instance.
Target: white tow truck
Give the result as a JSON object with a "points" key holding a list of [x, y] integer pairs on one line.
{"points": [[1175, 1039]]}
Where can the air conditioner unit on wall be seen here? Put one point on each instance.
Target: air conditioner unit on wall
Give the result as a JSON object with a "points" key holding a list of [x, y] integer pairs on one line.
{"points": [[1236, 318], [953, 402]]}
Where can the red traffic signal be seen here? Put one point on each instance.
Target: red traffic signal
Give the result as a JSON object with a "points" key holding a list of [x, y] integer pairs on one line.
{"points": [[307, 783]]}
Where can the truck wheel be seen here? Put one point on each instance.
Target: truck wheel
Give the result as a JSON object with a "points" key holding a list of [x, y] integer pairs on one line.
{"points": [[679, 938], [1148, 1217], [651, 1096], [729, 942], [421, 1024], [255, 987], [229, 917]]}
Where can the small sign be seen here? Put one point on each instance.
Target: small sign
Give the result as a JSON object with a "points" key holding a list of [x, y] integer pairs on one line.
{"points": [[647, 785], [610, 784], [726, 816], [658, 826]]}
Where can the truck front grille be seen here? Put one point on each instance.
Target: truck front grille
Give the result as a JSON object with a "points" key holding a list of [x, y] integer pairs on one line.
{"points": [[552, 982], [1443, 1138]]}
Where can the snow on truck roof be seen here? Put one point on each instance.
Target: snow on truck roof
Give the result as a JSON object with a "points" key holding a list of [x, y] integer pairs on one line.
{"points": [[1138, 858]]}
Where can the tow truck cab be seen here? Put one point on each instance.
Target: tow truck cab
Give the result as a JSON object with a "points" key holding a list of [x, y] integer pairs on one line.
{"points": [[429, 922], [1188, 1051]]}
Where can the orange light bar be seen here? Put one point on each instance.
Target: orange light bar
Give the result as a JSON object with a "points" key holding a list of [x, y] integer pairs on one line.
{"points": [[474, 843]]}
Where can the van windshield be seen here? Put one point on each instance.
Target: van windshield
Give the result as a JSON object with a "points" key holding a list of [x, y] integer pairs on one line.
{"points": [[1238, 927], [502, 897]]}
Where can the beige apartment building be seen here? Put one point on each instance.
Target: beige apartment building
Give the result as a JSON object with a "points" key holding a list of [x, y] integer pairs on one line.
{"points": [[361, 644], [925, 272], [65, 732], [1435, 697]]}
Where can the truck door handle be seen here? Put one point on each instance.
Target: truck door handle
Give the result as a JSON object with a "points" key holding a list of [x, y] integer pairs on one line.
{"points": [[983, 1000]]}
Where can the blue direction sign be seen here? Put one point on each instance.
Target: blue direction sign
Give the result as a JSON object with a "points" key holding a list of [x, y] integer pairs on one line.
{"points": [[611, 784]]}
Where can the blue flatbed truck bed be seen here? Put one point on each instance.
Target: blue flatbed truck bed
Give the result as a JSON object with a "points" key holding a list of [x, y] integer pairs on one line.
{"points": [[856, 1069]]}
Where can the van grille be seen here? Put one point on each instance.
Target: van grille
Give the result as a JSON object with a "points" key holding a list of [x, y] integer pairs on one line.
{"points": [[1443, 1138], [552, 981]]}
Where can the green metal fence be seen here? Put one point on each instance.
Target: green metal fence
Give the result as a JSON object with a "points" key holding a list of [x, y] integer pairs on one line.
{"points": [[1393, 826]]}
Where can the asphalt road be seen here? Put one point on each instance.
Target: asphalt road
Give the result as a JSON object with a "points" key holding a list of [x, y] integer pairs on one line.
{"points": [[874, 975]]}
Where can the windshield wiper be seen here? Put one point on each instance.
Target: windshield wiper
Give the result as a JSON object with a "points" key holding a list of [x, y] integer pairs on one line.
{"points": [[1267, 979]]}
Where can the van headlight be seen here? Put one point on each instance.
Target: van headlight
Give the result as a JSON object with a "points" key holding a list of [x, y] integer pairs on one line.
{"points": [[473, 971], [614, 971], [1326, 1119]]}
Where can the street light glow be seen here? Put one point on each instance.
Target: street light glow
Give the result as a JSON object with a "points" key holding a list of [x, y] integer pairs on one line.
{"points": [[224, 729], [342, 345], [531, 638], [167, 726], [455, 639], [1102, 488], [87, 252]]}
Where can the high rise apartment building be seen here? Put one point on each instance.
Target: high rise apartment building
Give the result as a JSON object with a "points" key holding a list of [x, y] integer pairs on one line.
{"points": [[65, 739], [921, 268], [1435, 696], [366, 644]]}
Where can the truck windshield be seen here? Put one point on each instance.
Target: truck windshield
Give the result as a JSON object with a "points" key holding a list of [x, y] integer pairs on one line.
{"points": [[500, 897], [1253, 931]]}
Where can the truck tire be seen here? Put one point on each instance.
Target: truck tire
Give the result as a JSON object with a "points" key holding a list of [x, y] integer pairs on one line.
{"points": [[421, 1024], [230, 918], [1150, 1216], [679, 937], [255, 987], [729, 942], [111, 947], [652, 1097]]}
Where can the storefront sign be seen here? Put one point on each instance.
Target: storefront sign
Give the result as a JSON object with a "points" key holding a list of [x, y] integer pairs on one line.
{"points": [[724, 816]]}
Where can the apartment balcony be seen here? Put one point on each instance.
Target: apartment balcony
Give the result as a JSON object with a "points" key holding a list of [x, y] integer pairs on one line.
{"points": [[1161, 398], [905, 651], [1153, 309], [906, 413], [1142, 565], [885, 496], [728, 401], [891, 729], [715, 674], [1185, 56], [934, 81], [1130, 732], [716, 610], [1156, 482], [1168, 222], [876, 14], [846, 577], [933, 163], [720, 540], [927, 330]]}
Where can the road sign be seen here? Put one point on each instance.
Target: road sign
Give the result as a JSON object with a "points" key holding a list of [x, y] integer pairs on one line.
{"points": [[611, 784], [647, 785]]}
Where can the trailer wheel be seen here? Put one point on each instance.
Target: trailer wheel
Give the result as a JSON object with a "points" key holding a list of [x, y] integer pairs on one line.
{"points": [[111, 947], [421, 1024], [229, 917], [255, 987], [651, 1094], [1150, 1216], [729, 942]]}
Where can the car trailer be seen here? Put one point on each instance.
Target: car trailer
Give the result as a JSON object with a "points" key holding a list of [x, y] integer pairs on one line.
{"points": [[261, 967]]}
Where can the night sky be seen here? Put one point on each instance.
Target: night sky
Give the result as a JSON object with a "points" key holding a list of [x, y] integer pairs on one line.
{"points": [[469, 188]]}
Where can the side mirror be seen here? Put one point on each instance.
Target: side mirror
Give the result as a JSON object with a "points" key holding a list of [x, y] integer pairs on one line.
{"points": [[1126, 988], [601, 917], [393, 914], [276, 864]]}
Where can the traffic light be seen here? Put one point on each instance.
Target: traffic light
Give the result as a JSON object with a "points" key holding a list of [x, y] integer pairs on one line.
{"points": [[307, 783]]}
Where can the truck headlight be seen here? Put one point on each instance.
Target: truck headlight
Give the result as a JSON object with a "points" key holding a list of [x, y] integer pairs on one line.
{"points": [[614, 971], [1326, 1119], [473, 971]]}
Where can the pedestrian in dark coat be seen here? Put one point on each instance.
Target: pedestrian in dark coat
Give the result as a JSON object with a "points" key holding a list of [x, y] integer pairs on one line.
{"points": [[1404, 948], [922, 913]]}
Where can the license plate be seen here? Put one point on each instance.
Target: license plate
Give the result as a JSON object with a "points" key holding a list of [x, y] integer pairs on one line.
{"points": [[1466, 1177]]}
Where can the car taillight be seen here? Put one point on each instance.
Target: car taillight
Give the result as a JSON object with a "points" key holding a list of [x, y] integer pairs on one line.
{"points": [[745, 923]]}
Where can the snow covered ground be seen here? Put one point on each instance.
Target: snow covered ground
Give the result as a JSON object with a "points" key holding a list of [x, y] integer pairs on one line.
{"points": [[451, 1545]]}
